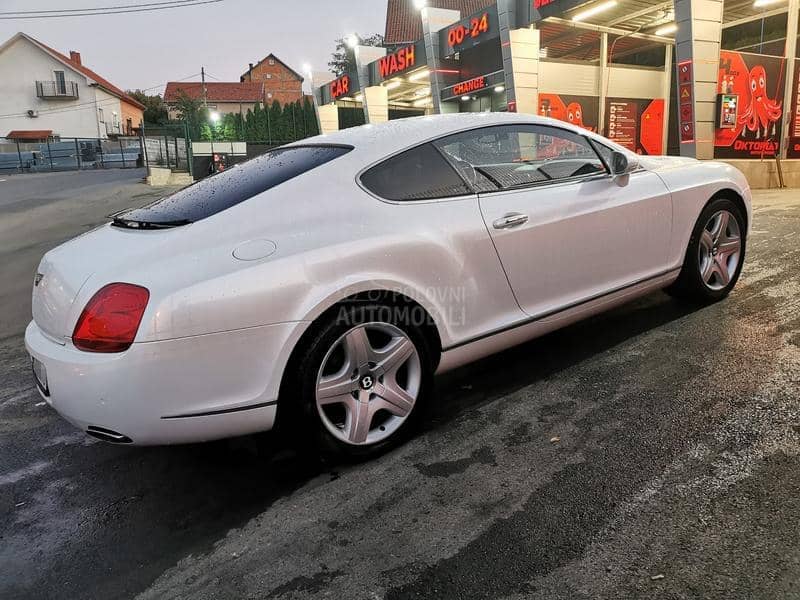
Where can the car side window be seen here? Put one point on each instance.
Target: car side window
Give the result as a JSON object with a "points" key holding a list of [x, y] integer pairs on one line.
{"points": [[417, 174], [606, 153], [511, 156]]}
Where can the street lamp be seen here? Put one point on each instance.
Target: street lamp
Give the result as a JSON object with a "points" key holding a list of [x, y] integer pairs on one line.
{"points": [[214, 116], [419, 4], [351, 40]]}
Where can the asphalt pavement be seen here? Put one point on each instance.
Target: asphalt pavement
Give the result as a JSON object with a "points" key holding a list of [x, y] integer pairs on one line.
{"points": [[651, 452]]}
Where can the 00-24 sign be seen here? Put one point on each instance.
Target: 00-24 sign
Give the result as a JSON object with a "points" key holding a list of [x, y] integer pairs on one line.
{"points": [[477, 25]]}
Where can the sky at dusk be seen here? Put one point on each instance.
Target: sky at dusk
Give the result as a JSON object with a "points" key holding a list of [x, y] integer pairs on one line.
{"points": [[143, 50]]}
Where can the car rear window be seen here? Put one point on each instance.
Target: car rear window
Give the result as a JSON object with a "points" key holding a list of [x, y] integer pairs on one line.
{"points": [[417, 174], [226, 189]]}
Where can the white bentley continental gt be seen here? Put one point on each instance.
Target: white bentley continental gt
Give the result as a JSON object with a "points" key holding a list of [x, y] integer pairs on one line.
{"points": [[323, 284]]}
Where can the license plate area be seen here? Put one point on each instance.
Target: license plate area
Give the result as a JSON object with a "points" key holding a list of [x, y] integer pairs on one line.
{"points": [[40, 376]]}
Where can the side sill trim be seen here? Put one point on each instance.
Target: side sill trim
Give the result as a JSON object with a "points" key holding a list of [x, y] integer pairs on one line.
{"points": [[223, 411], [556, 311]]}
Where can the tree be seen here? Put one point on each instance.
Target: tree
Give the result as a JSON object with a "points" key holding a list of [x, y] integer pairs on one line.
{"points": [[342, 58], [155, 111], [193, 113], [309, 116], [277, 122], [290, 121]]}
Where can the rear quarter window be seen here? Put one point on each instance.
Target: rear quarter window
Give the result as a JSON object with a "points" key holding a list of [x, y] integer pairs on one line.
{"points": [[226, 189], [417, 174]]}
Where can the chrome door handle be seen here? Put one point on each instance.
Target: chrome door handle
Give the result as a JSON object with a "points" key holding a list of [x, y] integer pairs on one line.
{"points": [[510, 220]]}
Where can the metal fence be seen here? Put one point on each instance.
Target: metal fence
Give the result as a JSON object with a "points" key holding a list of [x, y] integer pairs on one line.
{"points": [[70, 154], [166, 151]]}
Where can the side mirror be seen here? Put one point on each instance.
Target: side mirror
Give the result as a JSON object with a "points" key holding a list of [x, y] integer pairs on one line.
{"points": [[621, 164]]}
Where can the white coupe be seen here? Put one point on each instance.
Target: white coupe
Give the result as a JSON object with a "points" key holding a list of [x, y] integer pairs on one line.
{"points": [[323, 284]]}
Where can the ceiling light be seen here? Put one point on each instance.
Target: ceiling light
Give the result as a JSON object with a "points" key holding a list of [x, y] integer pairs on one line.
{"points": [[499, 88], [594, 10], [465, 98], [418, 76], [760, 3], [390, 85], [669, 28]]}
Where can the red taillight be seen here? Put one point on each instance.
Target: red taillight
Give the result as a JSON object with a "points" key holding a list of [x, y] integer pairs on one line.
{"points": [[111, 318]]}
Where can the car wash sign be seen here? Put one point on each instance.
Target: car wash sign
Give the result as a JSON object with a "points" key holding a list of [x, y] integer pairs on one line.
{"points": [[470, 32], [541, 9], [399, 62], [341, 88], [474, 84]]}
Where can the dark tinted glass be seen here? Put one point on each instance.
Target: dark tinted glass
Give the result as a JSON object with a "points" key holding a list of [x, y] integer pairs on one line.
{"points": [[228, 188], [417, 174]]}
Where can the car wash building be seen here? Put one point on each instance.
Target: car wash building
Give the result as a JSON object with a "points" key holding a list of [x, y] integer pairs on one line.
{"points": [[700, 78]]}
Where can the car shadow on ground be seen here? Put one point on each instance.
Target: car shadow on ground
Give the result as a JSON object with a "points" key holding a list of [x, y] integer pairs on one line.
{"points": [[182, 499]]}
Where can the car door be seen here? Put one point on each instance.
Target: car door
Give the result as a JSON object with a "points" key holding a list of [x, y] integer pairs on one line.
{"points": [[565, 229]]}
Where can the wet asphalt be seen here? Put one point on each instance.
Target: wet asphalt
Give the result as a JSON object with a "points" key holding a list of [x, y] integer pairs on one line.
{"points": [[651, 452]]}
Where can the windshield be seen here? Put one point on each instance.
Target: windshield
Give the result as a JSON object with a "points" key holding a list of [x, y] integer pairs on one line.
{"points": [[229, 188]]}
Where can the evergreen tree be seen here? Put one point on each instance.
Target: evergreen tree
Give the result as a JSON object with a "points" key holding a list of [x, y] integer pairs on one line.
{"points": [[249, 126], [290, 121], [310, 117], [277, 123]]}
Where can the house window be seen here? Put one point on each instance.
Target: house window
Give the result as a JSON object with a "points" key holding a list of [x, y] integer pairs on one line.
{"points": [[129, 127], [269, 75], [271, 61], [61, 82], [269, 94], [100, 115]]}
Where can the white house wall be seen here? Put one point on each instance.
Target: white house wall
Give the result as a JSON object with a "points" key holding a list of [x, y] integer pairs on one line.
{"points": [[22, 64]]}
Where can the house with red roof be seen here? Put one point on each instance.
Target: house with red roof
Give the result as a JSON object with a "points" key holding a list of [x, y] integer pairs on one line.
{"points": [[47, 94], [222, 97]]}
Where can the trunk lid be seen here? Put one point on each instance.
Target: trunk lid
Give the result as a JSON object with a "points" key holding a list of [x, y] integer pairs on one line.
{"points": [[66, 269]]}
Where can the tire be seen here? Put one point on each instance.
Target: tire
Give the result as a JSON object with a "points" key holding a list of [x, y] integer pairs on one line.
{"points": [[715, 254], [361, 382]]}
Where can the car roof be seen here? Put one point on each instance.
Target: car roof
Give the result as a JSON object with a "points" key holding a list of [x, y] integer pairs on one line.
{"points": [[383, 139]]}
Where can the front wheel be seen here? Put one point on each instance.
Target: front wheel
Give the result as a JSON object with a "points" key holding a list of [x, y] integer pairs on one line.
{"points": [[715, 254], [363, 381]]}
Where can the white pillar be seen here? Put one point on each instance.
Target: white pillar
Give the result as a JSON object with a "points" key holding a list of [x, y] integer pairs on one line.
{"points": [[602, 93], [434, 20], [376, 103], [522, 69], [328, 118], [698, 40], [665, 93], [791, 85], [364, 55]]}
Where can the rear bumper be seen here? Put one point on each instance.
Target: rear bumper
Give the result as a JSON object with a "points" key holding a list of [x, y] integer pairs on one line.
{"points": [[174, 391]]}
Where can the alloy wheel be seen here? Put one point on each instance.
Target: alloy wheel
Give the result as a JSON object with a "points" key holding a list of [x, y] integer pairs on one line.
{"points": [[719, 250], [368, 383]]}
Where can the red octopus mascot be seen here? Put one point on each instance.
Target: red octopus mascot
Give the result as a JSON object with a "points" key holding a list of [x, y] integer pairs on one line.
{"points": [[762, 112], [575, 114]]}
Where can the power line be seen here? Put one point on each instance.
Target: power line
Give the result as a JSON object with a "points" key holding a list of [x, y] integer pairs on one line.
{"points": [[93, 9], [185, 4]]}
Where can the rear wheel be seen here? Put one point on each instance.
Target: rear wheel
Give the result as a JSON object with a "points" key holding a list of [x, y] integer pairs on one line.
{"points": [[715, 254], [363, 381]]}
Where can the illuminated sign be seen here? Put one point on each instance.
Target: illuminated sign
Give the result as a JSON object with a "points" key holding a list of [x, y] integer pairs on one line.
{"points": [[477, 25], [471, 85], [469, 32], [399, 61], [340, 87]]}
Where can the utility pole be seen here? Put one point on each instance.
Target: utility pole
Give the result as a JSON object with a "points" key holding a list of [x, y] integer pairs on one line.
{"points": [[203, 79]]}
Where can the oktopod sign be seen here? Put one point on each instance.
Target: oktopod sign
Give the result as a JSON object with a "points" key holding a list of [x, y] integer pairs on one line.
{"points": [[758, 81]]}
